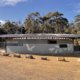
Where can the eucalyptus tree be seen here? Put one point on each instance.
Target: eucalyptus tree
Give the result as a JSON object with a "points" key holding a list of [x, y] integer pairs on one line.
{"points": [[10, 27], [33, 23], [77, 23], [60, 22], [54, 22], [47, 26], [2, 31]]}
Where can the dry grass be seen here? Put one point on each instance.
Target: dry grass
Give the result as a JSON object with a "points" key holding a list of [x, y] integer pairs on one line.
{"points": [[36, 69]]}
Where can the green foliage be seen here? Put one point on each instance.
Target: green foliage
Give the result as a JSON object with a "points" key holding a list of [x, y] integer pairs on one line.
{"points": [[10, 27], [2, 31], [78, 32], [77, 23], [68, 31], [53, 22]]}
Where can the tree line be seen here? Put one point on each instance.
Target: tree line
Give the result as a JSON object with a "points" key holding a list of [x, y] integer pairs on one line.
{"points": [[52, 22]]}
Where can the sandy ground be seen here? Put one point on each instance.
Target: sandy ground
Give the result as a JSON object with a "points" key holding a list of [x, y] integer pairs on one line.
{"points": [[26, 69]]}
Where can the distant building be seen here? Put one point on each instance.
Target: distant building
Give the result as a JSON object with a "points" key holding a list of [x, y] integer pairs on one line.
{"points": [[51, 44]]}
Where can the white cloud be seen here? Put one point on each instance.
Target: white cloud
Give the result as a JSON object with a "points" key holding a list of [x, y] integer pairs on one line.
{"points": [[10, 2], [2, 22]]}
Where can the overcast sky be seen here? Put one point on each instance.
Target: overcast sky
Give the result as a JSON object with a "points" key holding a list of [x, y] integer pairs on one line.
{"points": [[16, 10]]}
